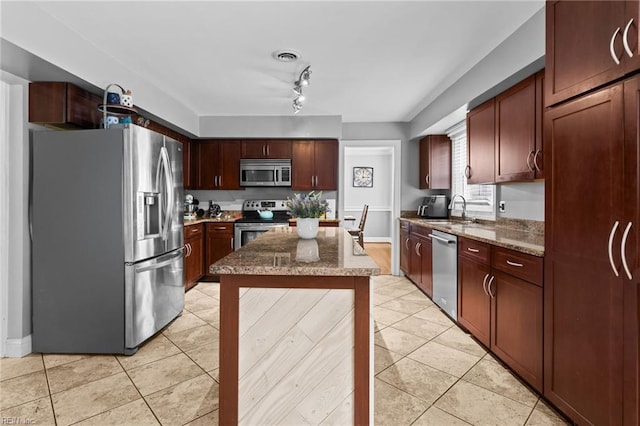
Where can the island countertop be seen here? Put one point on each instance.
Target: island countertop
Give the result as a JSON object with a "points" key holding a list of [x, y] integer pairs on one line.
{"points": [[280, 252]]}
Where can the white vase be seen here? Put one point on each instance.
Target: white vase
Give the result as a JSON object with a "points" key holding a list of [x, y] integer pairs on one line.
{"points": [[307, 227], [307, 251]]}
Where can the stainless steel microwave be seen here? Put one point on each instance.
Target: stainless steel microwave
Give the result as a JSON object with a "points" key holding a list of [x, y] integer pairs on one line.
{"points": [[265, 172]]}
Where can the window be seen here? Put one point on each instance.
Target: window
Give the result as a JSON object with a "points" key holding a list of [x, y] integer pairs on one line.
{"points": [[480, 198]]}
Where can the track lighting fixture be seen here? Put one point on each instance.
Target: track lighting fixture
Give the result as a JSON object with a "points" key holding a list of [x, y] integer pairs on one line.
{"points": [[303, 80]]}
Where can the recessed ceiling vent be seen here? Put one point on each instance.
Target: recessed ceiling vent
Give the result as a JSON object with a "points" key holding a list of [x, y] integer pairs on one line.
{"points": [[286, 55]]}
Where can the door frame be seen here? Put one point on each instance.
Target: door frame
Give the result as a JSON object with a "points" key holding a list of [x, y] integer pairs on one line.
{"points": [[395, 145]]}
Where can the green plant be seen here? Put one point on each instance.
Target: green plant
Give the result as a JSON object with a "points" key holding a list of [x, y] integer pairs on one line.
{"points": [[307, 205]]}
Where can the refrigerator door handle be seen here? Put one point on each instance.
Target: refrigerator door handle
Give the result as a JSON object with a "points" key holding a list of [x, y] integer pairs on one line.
{"points": [[178, 253], [168, 191]]}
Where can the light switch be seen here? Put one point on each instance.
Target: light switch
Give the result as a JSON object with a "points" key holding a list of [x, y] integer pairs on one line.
{"points": [[501, 207]]}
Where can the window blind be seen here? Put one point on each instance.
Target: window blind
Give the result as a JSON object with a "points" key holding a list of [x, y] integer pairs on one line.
{"points": [[480, 198]]}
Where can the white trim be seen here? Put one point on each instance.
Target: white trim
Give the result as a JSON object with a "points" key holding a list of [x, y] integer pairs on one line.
{"points": [[377, 240], [4, 215], [395, 146], [17, 348]]}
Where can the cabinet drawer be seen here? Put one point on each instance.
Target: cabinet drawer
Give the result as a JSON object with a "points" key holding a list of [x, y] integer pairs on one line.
{"points": [[220, 228], [475, 250], [405, 226], [193, 230], [521, 265], [420, 231]]}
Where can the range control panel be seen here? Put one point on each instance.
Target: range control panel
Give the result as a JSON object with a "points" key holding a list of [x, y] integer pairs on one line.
{"points": [[273, 205]]}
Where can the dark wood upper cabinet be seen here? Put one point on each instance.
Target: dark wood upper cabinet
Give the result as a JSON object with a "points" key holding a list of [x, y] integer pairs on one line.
{"points": [[62, 105], [435, 162], [480, 143], [266, 148], [188, 169], [315, 165], [218, 164], [515, 138], [588, 45]]}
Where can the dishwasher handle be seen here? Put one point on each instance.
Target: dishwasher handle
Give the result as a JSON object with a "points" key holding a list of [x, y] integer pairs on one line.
{"points": [[444, 240]]}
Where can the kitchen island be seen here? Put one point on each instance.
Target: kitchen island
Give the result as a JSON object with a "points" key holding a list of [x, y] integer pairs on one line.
{"points": [[296, 330]]}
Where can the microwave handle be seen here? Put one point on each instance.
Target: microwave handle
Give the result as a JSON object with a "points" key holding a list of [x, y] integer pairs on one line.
{"points": [[276, 175]]}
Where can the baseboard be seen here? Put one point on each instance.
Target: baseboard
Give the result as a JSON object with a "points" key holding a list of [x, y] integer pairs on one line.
{"points": [[17, 348], [377, 240]]}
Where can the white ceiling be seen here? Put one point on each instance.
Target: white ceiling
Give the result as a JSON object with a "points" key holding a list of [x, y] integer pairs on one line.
{"points": [[371, 61]]}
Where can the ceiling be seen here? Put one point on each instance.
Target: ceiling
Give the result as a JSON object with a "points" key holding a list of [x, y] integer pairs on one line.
{"points": [[371, 61]]}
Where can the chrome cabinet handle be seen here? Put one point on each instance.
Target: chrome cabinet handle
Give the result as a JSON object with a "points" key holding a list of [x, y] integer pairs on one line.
{"points": [[535, 159], [529, 166], [625, 39], [467, 171], [190, 249], [473, 250], [267, 150], [519, 265], [612, 50], [219, 228], [219, 180], [417, 249], [231, 243], [611, 235], [406, 243], [489, 286], [623, 251], [444, 240], [427, 179], [484, 284], [264, 150]]}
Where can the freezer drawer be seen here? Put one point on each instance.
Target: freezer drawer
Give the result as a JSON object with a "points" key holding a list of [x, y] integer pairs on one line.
{"points": [[154, 296]]}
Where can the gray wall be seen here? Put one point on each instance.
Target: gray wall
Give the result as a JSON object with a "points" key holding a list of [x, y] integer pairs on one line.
{"points": [[522, 200], [296, 126]]}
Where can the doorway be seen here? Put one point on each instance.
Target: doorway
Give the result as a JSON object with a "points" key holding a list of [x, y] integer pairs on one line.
{"points": [[370, 174]]}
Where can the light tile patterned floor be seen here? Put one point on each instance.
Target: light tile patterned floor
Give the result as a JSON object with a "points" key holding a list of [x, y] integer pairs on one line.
{"points": [[428, 372]]}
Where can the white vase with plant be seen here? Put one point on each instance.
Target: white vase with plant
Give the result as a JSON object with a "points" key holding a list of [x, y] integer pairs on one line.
{"points": [[307, 209]]}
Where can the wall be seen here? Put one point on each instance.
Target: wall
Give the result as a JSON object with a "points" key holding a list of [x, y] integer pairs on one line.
{"points": [[523, 200], [295, 126], [524, 47]]}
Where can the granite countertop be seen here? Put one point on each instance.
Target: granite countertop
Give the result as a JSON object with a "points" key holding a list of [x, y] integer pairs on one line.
{"points": [[222, 218], [280, 252], [529, 240], [293, 219]]}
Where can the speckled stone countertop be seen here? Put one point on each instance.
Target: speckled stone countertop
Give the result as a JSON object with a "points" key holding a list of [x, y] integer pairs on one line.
{"points": [[224, 217], [522, 236], [280, 252]]}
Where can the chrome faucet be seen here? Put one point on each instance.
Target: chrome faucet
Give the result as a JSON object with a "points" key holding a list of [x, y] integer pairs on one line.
{"points": [[464, 205]]}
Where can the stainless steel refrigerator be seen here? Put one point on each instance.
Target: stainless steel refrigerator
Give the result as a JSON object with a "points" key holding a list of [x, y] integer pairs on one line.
{"points": [[106, 238]]}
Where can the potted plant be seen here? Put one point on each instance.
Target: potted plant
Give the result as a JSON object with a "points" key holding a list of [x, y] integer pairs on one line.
{"points": [[307, 209]]}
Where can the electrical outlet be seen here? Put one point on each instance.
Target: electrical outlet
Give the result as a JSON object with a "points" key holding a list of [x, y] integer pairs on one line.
{"points": [[501, 207]]}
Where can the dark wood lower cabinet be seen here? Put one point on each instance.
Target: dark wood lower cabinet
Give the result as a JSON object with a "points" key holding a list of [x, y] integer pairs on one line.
{"points": [[415, 256], [404, 248], [193, 255], [474, 304], [219, 243]]}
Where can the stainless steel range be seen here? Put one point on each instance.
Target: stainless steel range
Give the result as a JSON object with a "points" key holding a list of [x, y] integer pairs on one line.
{"points": [[252, 225]]}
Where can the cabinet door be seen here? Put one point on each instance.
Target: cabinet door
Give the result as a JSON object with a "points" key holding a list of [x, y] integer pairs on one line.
{"points": [[278, 148], [515, 139], [632, 11], [440, 162], [538, 156], [82, 108], [632, 253], [194, 262], [579, 37], [303, 165], [474, 304], [254, 148], [229, 165], [208, 157], [415, 262], [480, 143], [187, 164], [423, 179], [426, 273], [326, 165], [583, 298], [219, 243], [404, 252], [516, 325]]}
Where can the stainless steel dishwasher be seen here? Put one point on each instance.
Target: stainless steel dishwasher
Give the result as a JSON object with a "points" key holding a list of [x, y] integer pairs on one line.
{"points": [[445, 272]]}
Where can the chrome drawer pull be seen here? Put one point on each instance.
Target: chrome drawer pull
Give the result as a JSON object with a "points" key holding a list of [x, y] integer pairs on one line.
{"points": [[612, 49], [623, 251], [519, 265], [472, 250], [489, 286], [625, 39], [484, 284], [609, 248]]}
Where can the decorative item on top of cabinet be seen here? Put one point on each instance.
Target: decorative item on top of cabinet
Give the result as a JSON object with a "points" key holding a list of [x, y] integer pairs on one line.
{"points": [[266, 148], [218, 164], [116, 105], [60, 105], [194, 254], [592, 276], [435, 162], [589, 44], [315, 165]]}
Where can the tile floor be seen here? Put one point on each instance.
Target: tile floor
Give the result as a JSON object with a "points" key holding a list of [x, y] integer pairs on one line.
{"points": [[428, 372]]}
